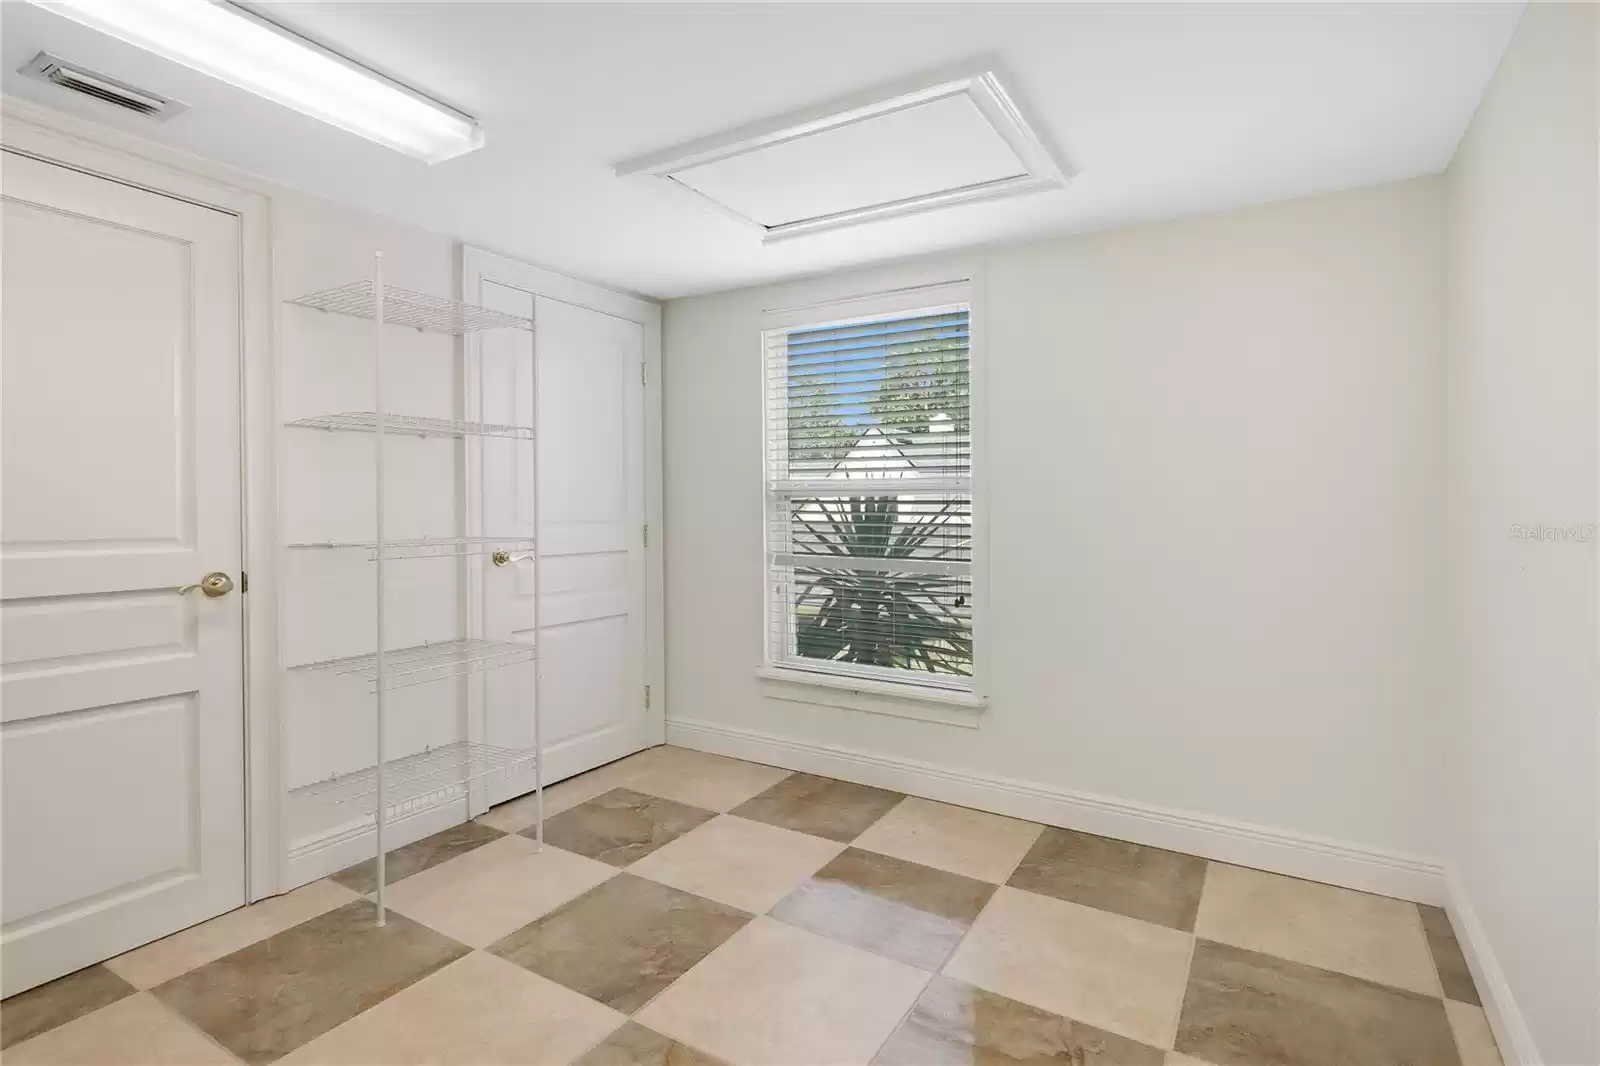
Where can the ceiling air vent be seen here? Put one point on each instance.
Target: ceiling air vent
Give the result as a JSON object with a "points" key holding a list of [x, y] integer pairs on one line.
{"points": [[48, 68]]}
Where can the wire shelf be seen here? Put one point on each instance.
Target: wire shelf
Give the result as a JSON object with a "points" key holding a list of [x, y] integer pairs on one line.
{"points": [[403, 307], [411, 425], [417, 783], [425, 547], [418, 665]]}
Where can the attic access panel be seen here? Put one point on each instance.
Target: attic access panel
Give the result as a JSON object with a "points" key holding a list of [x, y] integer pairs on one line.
{"points": [[872, 157]]}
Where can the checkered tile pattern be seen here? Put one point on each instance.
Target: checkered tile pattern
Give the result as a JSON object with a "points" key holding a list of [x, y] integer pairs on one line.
{"points": [[694, 910]]}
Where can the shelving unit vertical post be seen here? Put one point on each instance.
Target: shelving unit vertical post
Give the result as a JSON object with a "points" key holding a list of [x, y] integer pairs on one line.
{"points": [[379, 655]]}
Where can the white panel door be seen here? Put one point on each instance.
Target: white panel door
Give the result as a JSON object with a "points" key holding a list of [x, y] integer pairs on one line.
{"points": [[121, 704], [586, 511]]}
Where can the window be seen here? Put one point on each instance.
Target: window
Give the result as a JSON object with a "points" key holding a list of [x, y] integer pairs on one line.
{"points": [[869, 491]]}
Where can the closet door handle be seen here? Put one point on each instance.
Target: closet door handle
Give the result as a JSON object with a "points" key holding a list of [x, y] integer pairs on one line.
{"points": [[503, 558], [215, 583]]}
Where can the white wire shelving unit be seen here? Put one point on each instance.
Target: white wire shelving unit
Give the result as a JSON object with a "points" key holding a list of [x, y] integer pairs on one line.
{"points": [[394, 306], [422, 663], [423, 781], [394, 789], [425, 547], [411, 425]]}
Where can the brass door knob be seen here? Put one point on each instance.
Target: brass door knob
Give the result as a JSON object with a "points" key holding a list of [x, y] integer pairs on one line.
{"points": [[215, 583]]}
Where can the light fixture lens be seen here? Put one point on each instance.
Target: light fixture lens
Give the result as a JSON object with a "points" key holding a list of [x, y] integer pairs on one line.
{"points": [[230, 45]]}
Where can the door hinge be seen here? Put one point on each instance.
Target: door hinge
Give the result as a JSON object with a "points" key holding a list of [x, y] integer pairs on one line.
{"points": [[647, 697], [647, 534], [642, 379], [244, 581]]}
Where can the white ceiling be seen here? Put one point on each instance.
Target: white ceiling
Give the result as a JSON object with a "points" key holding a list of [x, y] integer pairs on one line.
{"points": [[1163, 109]]}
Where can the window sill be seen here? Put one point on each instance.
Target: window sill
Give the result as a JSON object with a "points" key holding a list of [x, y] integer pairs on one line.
{"points": [[942, 707]]}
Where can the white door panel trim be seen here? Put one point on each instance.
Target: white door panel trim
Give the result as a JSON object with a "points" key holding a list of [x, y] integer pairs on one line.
{"points": [[78, 689]]}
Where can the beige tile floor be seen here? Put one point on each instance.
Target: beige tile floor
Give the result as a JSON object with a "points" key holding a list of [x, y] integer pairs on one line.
{"points": [[692, 910]]}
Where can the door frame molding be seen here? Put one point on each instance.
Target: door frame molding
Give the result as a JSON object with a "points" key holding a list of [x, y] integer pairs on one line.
{"points": [[479, 265], [64, 140]]}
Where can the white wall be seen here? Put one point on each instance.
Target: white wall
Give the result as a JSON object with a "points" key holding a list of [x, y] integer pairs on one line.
{"points": [[1523, 438], [1216, 503]]}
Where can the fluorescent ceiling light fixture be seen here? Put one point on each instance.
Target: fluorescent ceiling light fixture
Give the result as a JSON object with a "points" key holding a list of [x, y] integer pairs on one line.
{"points": [[232, 45], [905, 149]]}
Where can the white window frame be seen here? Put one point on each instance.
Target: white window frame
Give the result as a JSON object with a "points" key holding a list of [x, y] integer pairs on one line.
{"points": [[869, 688]]}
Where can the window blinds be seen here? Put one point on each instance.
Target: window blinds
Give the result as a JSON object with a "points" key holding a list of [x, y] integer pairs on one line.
{"points": [[869, 497]]}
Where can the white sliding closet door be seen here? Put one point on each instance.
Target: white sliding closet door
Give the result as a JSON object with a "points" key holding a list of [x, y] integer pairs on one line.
{"points": [[122, 732], [589, 495]]}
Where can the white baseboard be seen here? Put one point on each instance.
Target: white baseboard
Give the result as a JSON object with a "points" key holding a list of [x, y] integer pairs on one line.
{"points": [[1332, 862], [1505, 1019]]}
